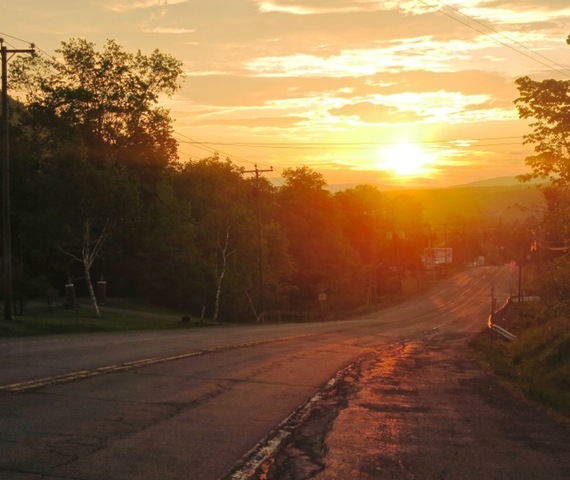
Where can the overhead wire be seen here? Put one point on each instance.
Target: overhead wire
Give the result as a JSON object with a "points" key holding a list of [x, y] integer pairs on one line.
{"points": [[35, 46], [205, 146], [9, 44], [551, 65], [501, 34], [14, 38], [347, 145]]}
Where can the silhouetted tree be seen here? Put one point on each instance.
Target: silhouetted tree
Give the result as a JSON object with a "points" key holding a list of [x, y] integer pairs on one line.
{"points": [[324, 260], [105, 100], [547, 103]]}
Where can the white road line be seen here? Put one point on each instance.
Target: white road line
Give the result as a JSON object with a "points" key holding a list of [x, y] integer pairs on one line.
{"points": [[83, 374]]}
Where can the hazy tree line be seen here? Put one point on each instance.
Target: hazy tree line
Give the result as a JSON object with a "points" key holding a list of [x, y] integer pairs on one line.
{"points": [[97, 190]]}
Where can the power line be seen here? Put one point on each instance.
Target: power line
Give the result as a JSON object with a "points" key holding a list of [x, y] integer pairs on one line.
{"points": [[15, 38], [30, 43], [506, 37], [550, 66], [206, 147], [348, 145]]}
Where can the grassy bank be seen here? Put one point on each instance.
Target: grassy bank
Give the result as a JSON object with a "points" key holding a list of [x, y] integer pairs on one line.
{"points": [[118, 315], [538, 360]]}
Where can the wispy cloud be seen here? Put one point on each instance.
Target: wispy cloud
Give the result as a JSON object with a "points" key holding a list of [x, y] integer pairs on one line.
{"points": [[168, 30], [304, 7], [121, 7], [313, 7], [499, 11], [334, 71], [508, 12], [398, 55]]}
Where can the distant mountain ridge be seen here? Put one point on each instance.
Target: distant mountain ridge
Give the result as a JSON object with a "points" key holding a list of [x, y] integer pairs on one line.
{"points": [[493, 182], [495, 199], [506, 181]]}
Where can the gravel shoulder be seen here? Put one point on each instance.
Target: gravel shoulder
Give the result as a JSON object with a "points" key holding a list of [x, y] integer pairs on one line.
{"points": [[425, 409]]}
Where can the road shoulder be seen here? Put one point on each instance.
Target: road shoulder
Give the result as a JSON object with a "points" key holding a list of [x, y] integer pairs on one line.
{"points": [[426, 409]]}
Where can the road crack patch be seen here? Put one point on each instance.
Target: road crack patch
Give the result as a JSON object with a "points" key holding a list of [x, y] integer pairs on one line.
{"points": [[297, 448], [294, 450]]}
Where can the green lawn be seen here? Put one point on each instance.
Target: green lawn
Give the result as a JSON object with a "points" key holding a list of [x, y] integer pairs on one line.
{"points": [[117, 315]]}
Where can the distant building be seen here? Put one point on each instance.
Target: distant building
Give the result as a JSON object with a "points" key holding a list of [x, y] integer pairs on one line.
{"points": [[437, 256]]}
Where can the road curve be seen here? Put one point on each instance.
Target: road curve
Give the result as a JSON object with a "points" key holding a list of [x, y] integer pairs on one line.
{"points": [[181, 405]]}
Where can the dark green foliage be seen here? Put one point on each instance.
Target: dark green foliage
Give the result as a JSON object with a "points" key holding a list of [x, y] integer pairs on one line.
{"points": [[105, 99], [167, 267], [326, 263]]}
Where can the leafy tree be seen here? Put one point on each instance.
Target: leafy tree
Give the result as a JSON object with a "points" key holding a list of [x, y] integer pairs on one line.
{"points": [[91, 145], [90, 204], [324, 260], [364, 216], [406, 230], [364, 223], [554, 288], [278, 265], [106, 100], [225, 232], [555, 228], [464, 238], [164, 261], [547, 103], [68, 206]]}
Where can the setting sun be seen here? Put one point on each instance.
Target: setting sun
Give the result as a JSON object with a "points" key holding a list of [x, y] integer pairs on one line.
{"points": [[405, 159]]}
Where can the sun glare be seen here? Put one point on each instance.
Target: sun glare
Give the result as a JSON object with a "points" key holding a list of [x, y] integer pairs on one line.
{"points": [[404, 159]]}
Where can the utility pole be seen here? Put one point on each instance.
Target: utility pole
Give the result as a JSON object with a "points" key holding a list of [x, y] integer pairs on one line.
{"points": [[5, 150], [257, 173]]}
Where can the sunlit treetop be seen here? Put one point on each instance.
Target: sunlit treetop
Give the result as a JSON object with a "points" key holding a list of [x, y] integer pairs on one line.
{"points": [[110, 97], [547, 104]]}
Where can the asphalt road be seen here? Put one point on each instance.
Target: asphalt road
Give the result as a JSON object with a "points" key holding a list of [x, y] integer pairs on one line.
{"points": [[207, 404]]}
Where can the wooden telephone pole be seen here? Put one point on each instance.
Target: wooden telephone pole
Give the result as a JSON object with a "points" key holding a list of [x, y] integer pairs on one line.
{"points": [[257, 173], [5, 150]]}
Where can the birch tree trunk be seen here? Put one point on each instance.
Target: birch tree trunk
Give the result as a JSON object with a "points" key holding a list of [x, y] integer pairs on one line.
{"points": [[92, 296], [225, 255], [89, 252], [88, 257]]}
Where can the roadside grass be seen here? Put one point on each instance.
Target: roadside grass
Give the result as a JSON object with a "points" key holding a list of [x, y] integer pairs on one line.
{"points": [[538, 360], [116, 316]]}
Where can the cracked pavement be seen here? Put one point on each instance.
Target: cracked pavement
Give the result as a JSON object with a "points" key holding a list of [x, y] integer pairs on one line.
{"points": [[426, 409]]}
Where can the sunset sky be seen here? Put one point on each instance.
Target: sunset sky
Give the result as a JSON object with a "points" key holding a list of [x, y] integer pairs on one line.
{"points": [[401, 93]]}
